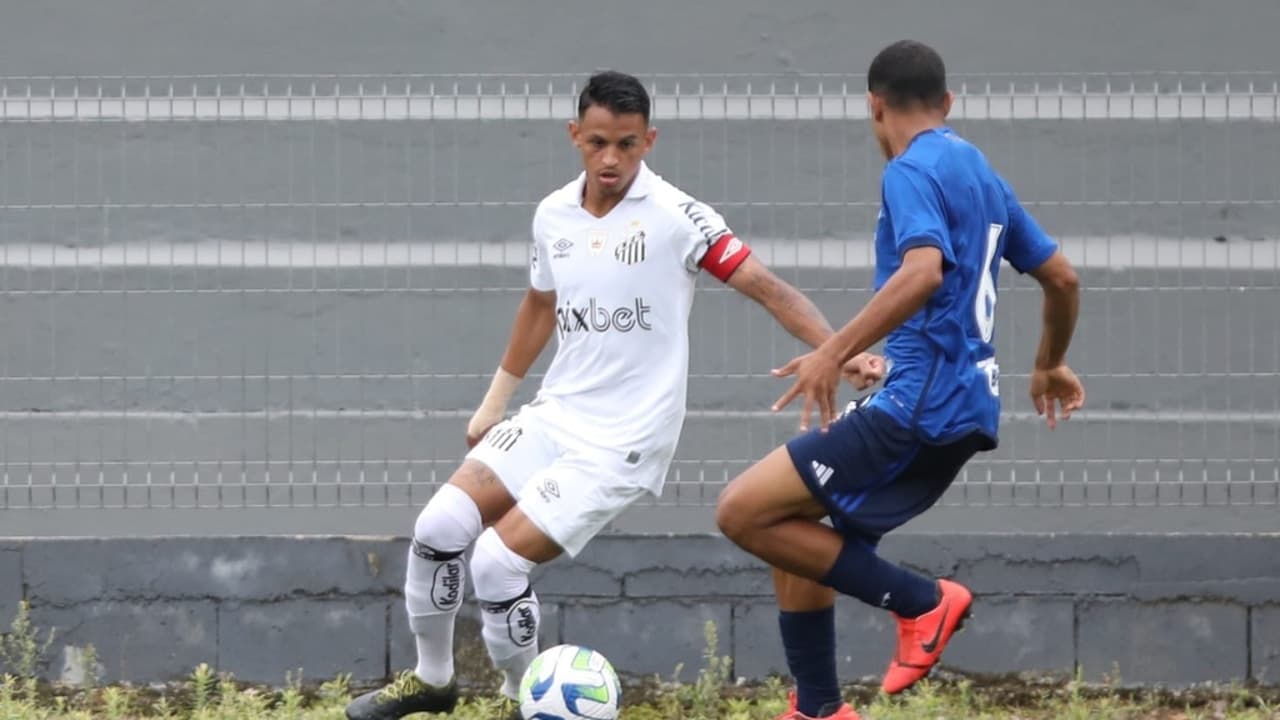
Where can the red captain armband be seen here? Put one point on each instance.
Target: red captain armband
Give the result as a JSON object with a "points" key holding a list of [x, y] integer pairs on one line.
{"points": [[724, 256]]}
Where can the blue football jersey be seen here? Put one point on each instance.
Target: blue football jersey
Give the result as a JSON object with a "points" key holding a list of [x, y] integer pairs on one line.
{"points": [[943, 379]]}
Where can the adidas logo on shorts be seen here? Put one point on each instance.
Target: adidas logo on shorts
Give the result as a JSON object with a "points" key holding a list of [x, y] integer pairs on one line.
{"points": [[822, 472]]}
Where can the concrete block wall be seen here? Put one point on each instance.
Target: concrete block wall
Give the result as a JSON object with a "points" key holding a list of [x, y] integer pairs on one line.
{"points": [[1156, 609]]}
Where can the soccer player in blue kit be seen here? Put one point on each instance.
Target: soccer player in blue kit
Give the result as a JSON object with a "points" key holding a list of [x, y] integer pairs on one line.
{"points": [[947, 220]]}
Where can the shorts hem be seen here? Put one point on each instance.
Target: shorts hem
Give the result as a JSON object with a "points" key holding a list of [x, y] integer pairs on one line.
{"points": [[989, 441], [542, 527]]}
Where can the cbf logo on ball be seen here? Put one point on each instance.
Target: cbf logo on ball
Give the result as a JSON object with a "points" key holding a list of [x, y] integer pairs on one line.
{"points": [[596, 317]]}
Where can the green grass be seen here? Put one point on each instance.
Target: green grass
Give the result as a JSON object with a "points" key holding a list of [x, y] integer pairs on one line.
{"points": [[205, 695]]}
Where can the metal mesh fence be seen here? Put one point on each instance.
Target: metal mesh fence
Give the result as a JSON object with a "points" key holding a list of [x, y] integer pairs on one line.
{"points": [[290, 291]]}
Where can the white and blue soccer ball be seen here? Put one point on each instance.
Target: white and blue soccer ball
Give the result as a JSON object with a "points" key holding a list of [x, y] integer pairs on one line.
{"points": [[568, 682]]}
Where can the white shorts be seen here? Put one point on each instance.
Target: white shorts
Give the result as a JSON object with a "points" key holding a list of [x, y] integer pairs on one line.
{"points": [[570, 489]]}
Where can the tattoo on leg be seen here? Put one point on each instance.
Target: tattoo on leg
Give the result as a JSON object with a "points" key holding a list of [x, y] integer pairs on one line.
{"points": [[482, 484], [475, 474]]}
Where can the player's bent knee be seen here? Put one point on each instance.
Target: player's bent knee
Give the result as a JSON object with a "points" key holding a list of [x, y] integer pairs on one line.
{"points": [[509, 608], [437, 571], [449, 523], [497, 572], [734, 516]]}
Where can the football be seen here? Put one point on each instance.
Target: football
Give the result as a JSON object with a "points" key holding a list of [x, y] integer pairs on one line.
{"points": [[567, 682]]}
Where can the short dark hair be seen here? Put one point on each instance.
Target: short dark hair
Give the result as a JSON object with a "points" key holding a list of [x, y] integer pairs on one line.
{"points": [[908, 73], [617, 92]]}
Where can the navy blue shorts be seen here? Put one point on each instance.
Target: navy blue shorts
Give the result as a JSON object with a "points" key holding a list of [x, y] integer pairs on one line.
{"points": [[872, 474]]}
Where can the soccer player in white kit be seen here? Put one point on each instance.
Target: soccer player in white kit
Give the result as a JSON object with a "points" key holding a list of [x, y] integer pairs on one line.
{"points": [[615, 256]]}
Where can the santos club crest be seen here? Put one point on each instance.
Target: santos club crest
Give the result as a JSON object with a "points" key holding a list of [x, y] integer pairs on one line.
{"points": [[631, 250]]}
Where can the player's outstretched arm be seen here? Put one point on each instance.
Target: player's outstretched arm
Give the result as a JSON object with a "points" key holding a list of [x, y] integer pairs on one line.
{"points": [[532, 328], [903, 295], [1051, 380], [791, 308], [800, 317]]}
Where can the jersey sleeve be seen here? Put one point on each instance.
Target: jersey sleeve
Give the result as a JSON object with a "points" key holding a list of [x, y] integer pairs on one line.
{"points": [[1027, 246], [540, 277], [707, 242], [915, 208]]}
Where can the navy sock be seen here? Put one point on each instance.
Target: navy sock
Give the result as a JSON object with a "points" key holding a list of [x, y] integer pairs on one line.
{"points": [[860, 572], [809, 639]]}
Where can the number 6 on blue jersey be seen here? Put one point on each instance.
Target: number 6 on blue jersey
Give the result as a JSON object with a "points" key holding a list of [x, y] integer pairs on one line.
{"points": [[984, 303]]}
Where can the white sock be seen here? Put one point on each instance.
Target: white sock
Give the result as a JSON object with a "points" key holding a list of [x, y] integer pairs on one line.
{"points": [[524, 613], [432, 626], [509, 608], [434, 582]]}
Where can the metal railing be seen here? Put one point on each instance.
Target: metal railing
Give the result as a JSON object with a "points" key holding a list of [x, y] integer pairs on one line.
{"points": [[289, 291]]}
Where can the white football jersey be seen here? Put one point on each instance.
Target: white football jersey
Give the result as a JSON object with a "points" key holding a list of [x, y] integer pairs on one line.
{"points": [[624, 288]]}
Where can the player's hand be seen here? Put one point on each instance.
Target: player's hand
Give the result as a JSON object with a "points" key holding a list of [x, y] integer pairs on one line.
{"points": [[474, 440], [481, 423], [1058, 385], [864, 370], [493, 409], [817, 377]]}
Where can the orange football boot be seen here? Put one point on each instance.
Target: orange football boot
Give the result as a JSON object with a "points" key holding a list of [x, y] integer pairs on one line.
{"points": [[922, 640], [844, 712]]}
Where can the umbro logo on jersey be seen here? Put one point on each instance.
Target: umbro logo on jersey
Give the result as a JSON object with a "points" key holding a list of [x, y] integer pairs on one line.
{"points": [[631, 250], [562, 248], [822, 473]]}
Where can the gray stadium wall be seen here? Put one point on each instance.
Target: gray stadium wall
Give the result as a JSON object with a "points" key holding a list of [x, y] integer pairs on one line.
{"points": [[1156, 609], [137, 37], [1172, 607]]}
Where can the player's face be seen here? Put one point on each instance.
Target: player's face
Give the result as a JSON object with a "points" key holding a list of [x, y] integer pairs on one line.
{"points": [[612, 147]]}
